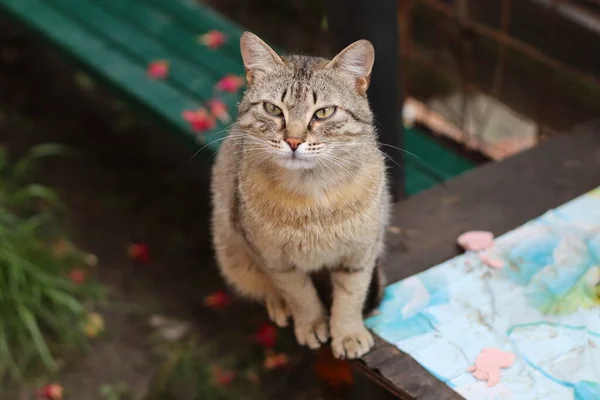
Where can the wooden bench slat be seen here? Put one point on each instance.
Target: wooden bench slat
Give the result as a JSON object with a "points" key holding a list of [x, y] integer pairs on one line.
{"points": [[417, 180], [184, 76], [201, 19], [435, 158], [99, 56], [143, 48], [162, 26]]}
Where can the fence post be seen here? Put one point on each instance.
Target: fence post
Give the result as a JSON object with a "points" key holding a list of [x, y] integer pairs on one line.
{"points": [[377, 21]]}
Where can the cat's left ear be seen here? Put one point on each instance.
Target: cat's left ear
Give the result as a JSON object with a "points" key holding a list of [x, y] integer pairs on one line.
{"points": [[257, 56], [356, 59]]}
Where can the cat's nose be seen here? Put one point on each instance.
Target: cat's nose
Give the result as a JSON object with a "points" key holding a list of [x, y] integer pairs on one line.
{"points": [[293, 142]]}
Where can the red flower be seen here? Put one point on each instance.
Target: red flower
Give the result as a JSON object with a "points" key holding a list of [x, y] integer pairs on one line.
{"points": [[333, 372], [219, 110], [222, 377], [139, 252], [212, 39], [54, 391], [267, 335], [158, 69], [217, 299], [230, 83], [200, 120], [275, 361], [77, 275]]}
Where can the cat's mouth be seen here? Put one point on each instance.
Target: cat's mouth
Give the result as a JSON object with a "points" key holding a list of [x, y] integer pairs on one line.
{"points": [[295, 161]]}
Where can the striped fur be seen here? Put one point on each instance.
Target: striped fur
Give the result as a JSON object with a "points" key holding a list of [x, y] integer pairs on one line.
{"points": [[281, 216]]}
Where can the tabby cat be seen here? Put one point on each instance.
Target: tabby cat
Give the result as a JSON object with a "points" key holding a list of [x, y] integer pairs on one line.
{"points": [[299, 186]]}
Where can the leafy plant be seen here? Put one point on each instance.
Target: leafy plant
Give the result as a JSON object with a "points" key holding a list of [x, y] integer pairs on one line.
{"points": [[41, 308]]}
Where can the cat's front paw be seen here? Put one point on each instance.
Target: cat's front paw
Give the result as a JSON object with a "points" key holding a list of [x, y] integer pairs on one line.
{"points": [[277, 310], [352, 344], [312, 334]]}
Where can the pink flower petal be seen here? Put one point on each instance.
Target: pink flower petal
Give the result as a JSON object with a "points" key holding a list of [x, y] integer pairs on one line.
{"points": [[488, 364], [222, 377], [217, 299], [54, 391], [188, 115], [476, 240], [139, 252], [267, 335], [490, 261], [275, 360], [77, 276], [158, 69], [219, 110], [230, 83], [213, 39], [200, 120]]}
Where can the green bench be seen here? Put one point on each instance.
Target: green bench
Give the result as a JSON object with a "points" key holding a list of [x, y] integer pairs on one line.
{"points": [[115, 40]]}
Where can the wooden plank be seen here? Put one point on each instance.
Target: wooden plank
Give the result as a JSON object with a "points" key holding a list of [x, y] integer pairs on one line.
{"points": [[442, 162], [163, 26], [186, 76], [142, 48], [497, 197], [99, 56], [190, 15], [418, 179], [401, 375], [182, 44]]}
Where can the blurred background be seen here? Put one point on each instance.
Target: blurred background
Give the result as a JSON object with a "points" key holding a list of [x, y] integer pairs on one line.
{"points": [[108, 288]]}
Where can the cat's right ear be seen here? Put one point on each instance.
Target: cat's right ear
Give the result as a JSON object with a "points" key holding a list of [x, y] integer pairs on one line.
{"points": [[257, 55]]}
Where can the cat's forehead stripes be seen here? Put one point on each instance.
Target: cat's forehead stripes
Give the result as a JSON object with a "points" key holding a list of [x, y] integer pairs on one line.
{"points": [[299, 92], [304, 67]]}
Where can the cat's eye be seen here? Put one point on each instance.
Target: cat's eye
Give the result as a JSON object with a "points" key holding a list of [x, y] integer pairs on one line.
{"points": [[325, 113], [272, 109]]}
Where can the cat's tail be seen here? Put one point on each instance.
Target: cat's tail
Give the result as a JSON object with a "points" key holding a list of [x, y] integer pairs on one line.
{"points": [[376, 288]]}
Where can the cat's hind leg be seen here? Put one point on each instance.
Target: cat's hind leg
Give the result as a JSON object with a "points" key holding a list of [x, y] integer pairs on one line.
{"points": [[243, 274]]}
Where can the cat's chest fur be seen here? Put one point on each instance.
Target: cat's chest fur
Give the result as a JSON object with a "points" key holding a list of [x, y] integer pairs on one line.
{"points": [[308, 231]]}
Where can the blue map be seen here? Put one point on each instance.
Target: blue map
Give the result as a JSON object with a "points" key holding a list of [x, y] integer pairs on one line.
{"points": [[543, 306]]}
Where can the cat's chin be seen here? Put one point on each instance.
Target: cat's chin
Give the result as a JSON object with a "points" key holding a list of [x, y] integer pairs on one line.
{"points": [[295, 163]]}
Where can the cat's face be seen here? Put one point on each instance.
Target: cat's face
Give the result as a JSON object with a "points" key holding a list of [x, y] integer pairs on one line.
{"points": [[305, 112]]}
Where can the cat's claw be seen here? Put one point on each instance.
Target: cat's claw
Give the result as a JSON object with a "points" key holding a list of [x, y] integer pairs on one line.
{"points": [[312, 334], [277, 310], [353, 345]]}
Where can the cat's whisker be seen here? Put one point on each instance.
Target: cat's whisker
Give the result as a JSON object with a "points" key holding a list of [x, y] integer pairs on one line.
{"points": [[402, 150], [347, 161], [321, 163], [263, 154], [337, 162], [249, 150], [208, 144], [391, 159]]}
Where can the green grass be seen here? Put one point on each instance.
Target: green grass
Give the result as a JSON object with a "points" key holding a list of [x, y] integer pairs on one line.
{"points": [[42, 310]]}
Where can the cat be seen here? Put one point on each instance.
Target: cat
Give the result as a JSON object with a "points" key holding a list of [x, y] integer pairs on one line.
{"points": [[299, 186]]}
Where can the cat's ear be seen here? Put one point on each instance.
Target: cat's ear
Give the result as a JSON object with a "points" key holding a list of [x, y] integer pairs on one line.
{"points": [[356, 59], [257, 55]]}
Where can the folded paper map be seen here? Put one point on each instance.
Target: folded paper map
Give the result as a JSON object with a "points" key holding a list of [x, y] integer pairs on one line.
{"points": [[542, 306]]}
